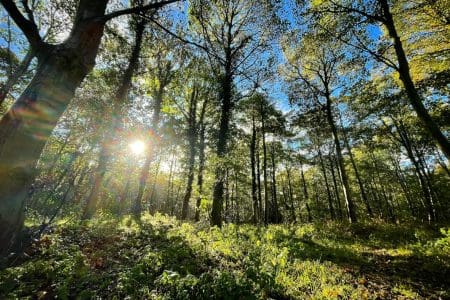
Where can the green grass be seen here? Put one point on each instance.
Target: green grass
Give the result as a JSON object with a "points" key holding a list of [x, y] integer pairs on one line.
{"points": [[161, 258]]}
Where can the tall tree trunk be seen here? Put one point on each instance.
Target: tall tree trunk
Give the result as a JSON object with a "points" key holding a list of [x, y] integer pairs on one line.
{"points": [[255, 217], [291, 195], [402, 182], [114, 124], [265, 177], [407, 144], [192, 152], [258, 180], [15, 76], [335, 185], [411, 90], [222, 141], [30, 121], [305, 193], [275, 215], [358, 177], [351, 212], [327, 185], [201, 159]]}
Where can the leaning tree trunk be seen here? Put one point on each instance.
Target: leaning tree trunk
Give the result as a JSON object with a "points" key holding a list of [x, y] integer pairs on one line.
{"points": [[29, 123], [410, 88], [351, 212]]}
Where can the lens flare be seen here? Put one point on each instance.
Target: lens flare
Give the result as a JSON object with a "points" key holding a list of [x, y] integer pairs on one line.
{"points": [[137, 147]]}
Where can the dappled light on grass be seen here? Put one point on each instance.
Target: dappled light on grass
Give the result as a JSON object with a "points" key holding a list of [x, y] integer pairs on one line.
{"points": [[162, 258]]}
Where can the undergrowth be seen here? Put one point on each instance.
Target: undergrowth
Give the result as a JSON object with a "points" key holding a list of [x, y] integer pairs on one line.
{"points": [[161, 258]]}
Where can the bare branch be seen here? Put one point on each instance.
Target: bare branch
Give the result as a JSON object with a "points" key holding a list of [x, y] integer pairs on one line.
{"points": [[138, 9]]}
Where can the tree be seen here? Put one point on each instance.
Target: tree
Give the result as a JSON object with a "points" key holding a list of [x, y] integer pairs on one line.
{"points": [[317, 71], [352, 30], [30, 121], [232, 33]]}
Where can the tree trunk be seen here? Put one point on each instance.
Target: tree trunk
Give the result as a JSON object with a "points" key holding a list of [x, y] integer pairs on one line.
{"points": [[221, 150], [258, 180], [327, 186], [305, 193], [335, 185], [291, 195], [411, 90], [274, 214], [255, 217], [358, 177], [265, 177], [201, 160], [30, 121], [192, 152], [351, 212]]}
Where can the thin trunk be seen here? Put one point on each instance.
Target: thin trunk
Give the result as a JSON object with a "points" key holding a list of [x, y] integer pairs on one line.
{"points": [[258, 180], [255, 217], [275, 212], [192, 152], [358, 177], [407, 144], [265, 177], [327, 186], [291, 195], [351, 212], [201, 160], [335, 185], [305, 193]]}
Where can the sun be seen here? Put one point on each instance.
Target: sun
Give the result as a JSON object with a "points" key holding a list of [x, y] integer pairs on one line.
{"points": [[137, 147]]}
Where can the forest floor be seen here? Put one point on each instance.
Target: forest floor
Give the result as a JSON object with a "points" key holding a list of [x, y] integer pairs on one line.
{"points": [[161, 258]]}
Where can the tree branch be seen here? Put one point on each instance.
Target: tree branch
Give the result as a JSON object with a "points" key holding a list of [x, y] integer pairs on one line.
{"points": [[137, 9], [28, 27]]}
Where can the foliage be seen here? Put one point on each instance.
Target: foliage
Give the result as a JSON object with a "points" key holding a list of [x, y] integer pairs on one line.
{"points": [[161, 258]]}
